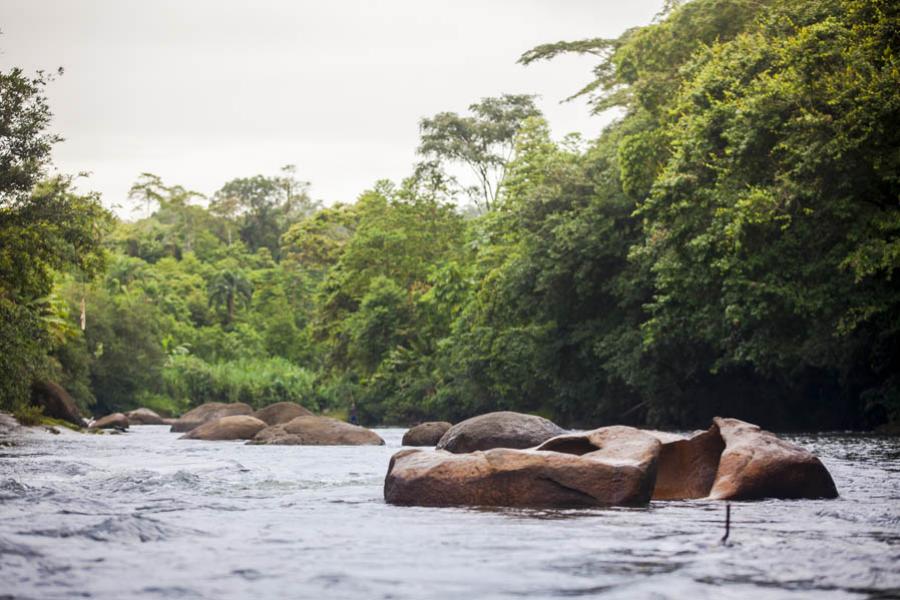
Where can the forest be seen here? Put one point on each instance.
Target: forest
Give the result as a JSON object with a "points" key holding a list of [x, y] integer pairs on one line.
{"points": [[727, 246]]}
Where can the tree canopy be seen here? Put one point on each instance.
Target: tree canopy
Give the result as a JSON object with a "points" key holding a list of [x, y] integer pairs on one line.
{"points": [[727, 245]]}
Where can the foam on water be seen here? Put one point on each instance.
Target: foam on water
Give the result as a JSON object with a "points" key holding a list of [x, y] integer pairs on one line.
{"points": [[145, 515]]}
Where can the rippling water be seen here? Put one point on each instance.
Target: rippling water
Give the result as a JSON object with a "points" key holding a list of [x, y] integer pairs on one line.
{"points": [[145, 515]]}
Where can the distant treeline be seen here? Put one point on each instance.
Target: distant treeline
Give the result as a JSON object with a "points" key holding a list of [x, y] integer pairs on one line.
{"points": [[727, 246]]}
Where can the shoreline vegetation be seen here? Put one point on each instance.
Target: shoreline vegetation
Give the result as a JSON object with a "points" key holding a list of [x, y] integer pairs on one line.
{"points": [[728, 245]]}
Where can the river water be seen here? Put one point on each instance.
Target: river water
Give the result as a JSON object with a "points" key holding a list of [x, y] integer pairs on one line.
{"points": [[145, 515]]}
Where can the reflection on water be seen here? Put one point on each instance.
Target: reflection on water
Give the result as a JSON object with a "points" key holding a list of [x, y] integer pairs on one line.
{"points": [[145, 515]]}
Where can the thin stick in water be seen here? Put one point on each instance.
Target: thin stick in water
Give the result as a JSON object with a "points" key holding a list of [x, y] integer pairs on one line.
{"points": [[727, 522]]}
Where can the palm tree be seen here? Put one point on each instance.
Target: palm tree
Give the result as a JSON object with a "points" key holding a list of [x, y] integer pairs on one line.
{"points": [[228, 288]]}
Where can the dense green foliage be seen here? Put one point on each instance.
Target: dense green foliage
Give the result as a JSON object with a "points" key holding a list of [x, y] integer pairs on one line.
{"points": [[727, 246]]}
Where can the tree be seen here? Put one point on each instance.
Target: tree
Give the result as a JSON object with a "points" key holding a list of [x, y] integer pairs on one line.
{"points": [[264, 207], [229, 288], [44, 225], [483, 141]]}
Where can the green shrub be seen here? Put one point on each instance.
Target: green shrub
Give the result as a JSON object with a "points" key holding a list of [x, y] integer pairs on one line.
{"points": [[29, 415], [257, 382]]}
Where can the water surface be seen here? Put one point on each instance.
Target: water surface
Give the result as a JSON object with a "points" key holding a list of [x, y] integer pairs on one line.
{"points": [[145, 515]]}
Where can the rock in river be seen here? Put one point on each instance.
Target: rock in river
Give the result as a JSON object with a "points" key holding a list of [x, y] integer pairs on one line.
{"points": [[498, 430], [56, 401], [113, 421], [209, 411], [237, 427], [144, 416], [687, 465], [735, 460], [757, 464], [426, 434], [317, 431], [281, 412], [607, 466]]}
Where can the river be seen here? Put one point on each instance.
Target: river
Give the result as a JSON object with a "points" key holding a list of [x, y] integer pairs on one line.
{"points": [[145, 515]]}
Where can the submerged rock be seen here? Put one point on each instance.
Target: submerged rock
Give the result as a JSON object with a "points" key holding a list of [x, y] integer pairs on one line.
{"points": [[607, 466], [498, 430], [56, 401], [209, 411], [238, 427], [757, 464], [426, 434], [281, 412], [317, 431], [144, 416], [113, 421]]}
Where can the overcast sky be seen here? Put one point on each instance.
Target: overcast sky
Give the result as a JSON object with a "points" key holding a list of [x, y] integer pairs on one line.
{"points": [[200, 92]]}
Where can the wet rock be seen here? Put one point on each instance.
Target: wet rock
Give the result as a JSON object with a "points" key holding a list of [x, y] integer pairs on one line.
{"points": [[426, 434], [281, 412], [56, 401], [113, 421], [498, 430], [143, 416], [687, 465], [757, 464], [8, 424], [607, 466], [238, 427], [209, 411], [317, 431]]}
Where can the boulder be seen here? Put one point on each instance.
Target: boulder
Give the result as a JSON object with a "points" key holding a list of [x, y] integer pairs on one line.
{"points": [[144, 416], [238, 427], [756, 464], [607, 466], [317, 431], [56, 401], [426, 434], [209, 411], [8, 424], [281, 412], [687, 465], [498, 430], [113, 421]]}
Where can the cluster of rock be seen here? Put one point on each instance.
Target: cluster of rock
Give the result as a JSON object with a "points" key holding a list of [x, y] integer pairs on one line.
{"points": [[283, 423], [57, 403], [509, 459]]}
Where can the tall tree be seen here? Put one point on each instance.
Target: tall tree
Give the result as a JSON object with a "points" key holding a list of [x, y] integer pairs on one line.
{"points": [[264, 207], [229, 288], [483, 141], [44, 225]]}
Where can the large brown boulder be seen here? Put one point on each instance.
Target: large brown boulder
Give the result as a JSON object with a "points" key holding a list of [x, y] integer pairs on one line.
{"points": [[56, 401], [113, 421], [498, 430], [281, 412], [687, 465], [144, 416], [317, 431], [238, 427], [608, 466], [209, 411], [757, 464], [426, 434]]}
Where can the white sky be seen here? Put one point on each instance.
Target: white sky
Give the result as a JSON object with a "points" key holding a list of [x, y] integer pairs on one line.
{"points": [[202, 91]]}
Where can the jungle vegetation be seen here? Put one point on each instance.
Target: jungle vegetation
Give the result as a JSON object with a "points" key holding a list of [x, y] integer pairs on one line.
{"points": [[727, 245]]}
